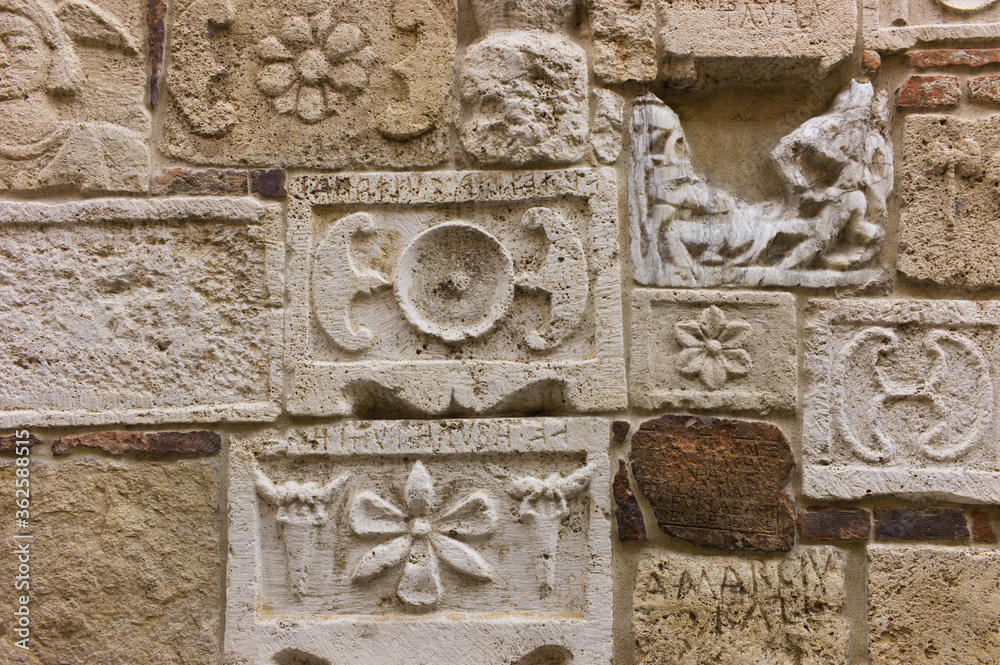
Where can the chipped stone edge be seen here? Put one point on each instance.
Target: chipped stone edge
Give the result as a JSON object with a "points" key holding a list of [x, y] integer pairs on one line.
{"points": [[892, 39]]}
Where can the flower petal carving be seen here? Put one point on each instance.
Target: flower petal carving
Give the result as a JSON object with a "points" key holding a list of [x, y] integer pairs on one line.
{"points": [[471, 517], [420, 585], [371, 515], [736, 361], [734, 335], [419, 491], [713, 373], [690, 361], [461, 557], [711, 322], [382, 557], [689, 334]]}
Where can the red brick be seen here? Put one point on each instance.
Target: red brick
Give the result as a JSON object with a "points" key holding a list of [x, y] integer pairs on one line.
{"points": [[153, 443], [269, 183], [982, 530], [619, 430], [985, 89], [627, 512], [929, 92], [965, 57], [835, 524], [156, 15], [8, 444], [908, 523], [870, 62], [206, 182]]}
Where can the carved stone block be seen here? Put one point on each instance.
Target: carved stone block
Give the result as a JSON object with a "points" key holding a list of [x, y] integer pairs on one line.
{"points": [[725, 609], [895, 25], [711, 350], [901, 400], [950, 212], [454, 293], [317, 83], [717, 482], [71, 97], [933, 604], [468, 541], [140, 311]]}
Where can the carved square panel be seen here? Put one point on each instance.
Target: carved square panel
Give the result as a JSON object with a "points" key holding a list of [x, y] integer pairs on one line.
{"points": [[894, 25], [902, 400], [711, 350], [466, 540], [454, 293]]}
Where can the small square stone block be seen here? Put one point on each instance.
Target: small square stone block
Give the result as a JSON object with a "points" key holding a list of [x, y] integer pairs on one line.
{"points": [[910, 523], [834, 524]]}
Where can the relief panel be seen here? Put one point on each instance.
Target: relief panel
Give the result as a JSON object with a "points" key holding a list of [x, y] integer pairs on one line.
{"points": [[895, 25]]}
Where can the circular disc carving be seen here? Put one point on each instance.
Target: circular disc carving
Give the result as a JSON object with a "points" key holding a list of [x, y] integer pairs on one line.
{"points": [[967, 5], [455, 281]]}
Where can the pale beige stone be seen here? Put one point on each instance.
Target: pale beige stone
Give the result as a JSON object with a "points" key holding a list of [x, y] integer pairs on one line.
{"points": [[702, 610], [710, 350], [125, 563], [607, 131], [624, 40], [901, 400], [468, 541], [896, 25], [933, 605], [950, 200], [71, 99], [139, 311], [310, 84]]}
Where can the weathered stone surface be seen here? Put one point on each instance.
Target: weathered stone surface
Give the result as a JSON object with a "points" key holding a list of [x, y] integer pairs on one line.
{"points": [[710, 350], [982, 529], [139, 311], [985, 89], [10, 443], [624, 40], [628, 515], [837, 172], [950, 200], [778, 610], [269, 183], [13, 655], [910, 523], [153, 443], [933, 604], [72, 112], [156, 33], [900, 400], [966, 57], [835, 524], [472, 293], [717, 482], [607, 132], [469, 541], [926, 92], [308, 84], [195, 183], [126, 562]]}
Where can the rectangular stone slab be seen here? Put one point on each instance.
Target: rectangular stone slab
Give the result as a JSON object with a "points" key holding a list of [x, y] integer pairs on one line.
{"points": [[450, 537], [896, 25]]}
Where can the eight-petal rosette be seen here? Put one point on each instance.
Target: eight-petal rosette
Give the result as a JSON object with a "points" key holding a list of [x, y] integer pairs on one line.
{"points": [[713, 348]]}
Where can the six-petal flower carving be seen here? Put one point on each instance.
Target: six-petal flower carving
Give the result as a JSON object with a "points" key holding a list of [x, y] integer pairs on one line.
{"points": [[419, 536], [713, 348]]}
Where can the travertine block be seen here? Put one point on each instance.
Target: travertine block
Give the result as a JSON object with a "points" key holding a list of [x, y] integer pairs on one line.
{"points": [[125, 561], [709, 350], [950, 212], [310, 84], [725, 609], [624, 40], [901, 400], [454, 293], [139, 311], [896, 25], [466, 541], [933, 604]]}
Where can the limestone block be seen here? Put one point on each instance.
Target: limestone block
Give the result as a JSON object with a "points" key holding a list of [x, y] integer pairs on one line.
{"points": [[624, 40], [711, 350], [133, 311], [71, 100], [901, 400], [950, 201], [125, 561], [706, 43], [480, 541], [293, 83], [725, 609], [607, 131], [896, 25], [933, 604], [827, 231], [454, 293]]}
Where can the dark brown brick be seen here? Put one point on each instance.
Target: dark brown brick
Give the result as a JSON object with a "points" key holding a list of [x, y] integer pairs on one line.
{"points": [[871, 61], [619, 430], [205, 182], [835, 524], [269, 183], [717, 482], [8, 444], [928, 92], [156, 15], [982, 530], [964, 57], [153, 443], [985, 89], [627, 512], [909, 523]]}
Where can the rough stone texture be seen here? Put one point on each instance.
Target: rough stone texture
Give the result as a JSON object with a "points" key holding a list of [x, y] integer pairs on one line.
{"points": [[966, 57], [927, 92], [269, 183], [607, 130], [153, 443], [949, 176], [717, 482], [982, 529], [628, 515], [139, 311], [619, 430], [709, 350], [908, 523], [725, 609], [126, 563], [933, 605], [624, 40], [308, 84], [890, 25], [10, 443], [871, 61], [835, 524], [195, 183], [434, 306], [468, 541], [156, 33], [900, 400], [985, 89]]}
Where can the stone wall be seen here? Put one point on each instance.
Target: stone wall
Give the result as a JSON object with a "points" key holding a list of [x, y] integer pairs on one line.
{"points": [[499, 333]]}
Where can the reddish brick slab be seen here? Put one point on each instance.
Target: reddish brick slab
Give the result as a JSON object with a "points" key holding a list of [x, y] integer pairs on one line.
{"points": [[627, 512], [206, 182], [619, 430], [153, 443], [909, 523], [156, 26], [963, 57], [985, 89], [982, 530], [269, 183], [835, 524], [929, 92], [8, 444]]}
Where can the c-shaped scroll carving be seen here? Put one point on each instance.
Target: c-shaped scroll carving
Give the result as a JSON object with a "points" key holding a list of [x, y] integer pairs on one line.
{"points": [[336, 281], [859, 394], [563, 276], [195, 72]]}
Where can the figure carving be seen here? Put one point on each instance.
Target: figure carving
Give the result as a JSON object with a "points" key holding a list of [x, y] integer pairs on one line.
{"points": [[196, 77]]}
